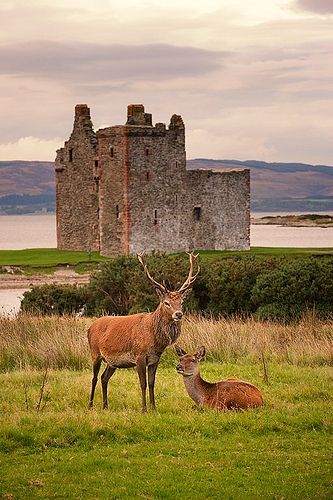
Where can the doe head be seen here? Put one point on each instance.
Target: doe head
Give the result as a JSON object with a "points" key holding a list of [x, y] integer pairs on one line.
{"points": [[189, 363]]}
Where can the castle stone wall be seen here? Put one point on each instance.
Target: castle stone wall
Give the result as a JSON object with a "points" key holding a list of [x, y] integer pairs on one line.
{"points": [[126, 190], [77, 187]]}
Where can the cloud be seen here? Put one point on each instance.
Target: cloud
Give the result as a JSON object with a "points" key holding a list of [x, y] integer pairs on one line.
{"points": [[317, 6], [83, 62], [25, 149]]}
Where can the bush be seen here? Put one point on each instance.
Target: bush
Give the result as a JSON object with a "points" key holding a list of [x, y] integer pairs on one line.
{"points": [[54, 299], [270, 288], [294, 288]]}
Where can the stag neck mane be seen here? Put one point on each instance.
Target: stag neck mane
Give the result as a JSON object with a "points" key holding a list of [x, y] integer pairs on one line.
{"points": [[166, 329]]}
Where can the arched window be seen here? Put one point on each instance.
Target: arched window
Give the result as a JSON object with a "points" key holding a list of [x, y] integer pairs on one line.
{"points": [[197, 213]]}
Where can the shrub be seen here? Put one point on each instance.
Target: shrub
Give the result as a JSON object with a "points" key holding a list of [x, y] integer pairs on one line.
{"points": [[54, 299], [294, 288]]}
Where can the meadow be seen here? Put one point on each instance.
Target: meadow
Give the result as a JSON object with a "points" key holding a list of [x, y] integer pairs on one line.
{"points": [[52, 446]]}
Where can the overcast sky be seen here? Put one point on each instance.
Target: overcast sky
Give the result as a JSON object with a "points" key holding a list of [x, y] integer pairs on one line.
{"points": [[252, 79]]}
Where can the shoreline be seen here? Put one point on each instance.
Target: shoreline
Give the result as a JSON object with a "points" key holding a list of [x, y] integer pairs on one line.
{"points": [[63, 277]]}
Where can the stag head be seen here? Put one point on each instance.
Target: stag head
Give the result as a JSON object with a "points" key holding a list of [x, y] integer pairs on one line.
{"points": [[172, 301]]}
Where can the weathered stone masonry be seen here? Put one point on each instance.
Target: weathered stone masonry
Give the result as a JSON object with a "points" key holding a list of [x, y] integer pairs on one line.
{"points": [[125, 189]]}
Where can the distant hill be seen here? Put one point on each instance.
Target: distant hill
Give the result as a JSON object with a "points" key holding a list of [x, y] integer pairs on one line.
{"points": [[29, 186], [282, 186]]}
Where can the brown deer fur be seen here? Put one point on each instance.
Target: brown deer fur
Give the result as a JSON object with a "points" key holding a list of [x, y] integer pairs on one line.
{"points": [[228, 394], [138, 340]]}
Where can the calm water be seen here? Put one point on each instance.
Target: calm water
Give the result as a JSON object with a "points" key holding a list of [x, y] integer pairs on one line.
{"points": [[27, 231], [39, 231]]}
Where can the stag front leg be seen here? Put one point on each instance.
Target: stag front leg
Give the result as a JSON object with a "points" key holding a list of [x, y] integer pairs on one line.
{"points": [[141, 366], [106, 375], [96, 367], [151, 384]]}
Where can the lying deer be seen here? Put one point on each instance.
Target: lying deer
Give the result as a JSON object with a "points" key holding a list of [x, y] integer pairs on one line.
{"points": [[229, 394], [138, 340]]}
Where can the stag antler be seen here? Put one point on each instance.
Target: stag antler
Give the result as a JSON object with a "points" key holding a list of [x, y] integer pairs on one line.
{"points": [[190, 279], [160, 287]]}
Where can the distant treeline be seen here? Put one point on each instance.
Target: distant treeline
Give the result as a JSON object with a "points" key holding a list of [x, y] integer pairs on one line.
{"points": [[273, 288], [314, 204], [26, 203]]}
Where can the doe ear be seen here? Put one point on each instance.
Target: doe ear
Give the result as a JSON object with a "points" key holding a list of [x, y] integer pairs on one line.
{"points": [[201, 353], [180, 352]]}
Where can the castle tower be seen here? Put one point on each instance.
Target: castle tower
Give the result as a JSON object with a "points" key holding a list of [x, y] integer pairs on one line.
{"points": [[77, 185], [126, 189], [141, 193]]}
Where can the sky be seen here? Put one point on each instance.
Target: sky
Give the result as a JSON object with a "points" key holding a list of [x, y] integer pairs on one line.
{"points": [[252, 79]]}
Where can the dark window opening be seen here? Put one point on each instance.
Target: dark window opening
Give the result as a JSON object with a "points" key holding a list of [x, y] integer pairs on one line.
{"points": [[176, 164], [176, 196], [70, 154], [148, 176], [197, 213], [147, 151], [96, 164], [155, 217], [111, 152], [117, 212]]}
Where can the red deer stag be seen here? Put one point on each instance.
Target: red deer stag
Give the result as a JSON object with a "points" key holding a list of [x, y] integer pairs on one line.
{"points": [[138, 340], [228, 394]]}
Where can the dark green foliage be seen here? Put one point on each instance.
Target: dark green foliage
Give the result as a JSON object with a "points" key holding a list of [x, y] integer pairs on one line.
{"points": [[54, 299], [294, 288], [229, 283], [269, 287], [121, 287]]}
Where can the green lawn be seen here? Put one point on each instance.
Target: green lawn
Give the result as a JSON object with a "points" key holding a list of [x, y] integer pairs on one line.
{"points": [[280, 451], [47, 259]]}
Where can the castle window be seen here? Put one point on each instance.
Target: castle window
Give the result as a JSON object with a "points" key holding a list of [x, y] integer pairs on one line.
{"points": [[176, 164], [176, 197], [197, 213], [117, 212], [70, 154], [96, 164], [155, 217], [148, 176], [111, 152], [147, 151]]}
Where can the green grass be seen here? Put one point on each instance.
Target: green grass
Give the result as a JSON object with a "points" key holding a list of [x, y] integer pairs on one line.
{"points": [[65, 451], [46, 260], [36, 260]]}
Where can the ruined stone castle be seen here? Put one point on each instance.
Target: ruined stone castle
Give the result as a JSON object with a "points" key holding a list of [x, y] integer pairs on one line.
{"points": [[125, 189]]}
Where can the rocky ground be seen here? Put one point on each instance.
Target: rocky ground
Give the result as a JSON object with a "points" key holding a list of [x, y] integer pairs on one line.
{"points": [[10, 280], [308, 220]]}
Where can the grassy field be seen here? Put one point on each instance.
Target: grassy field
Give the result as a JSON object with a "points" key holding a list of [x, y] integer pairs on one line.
{"points": [[46, 260], [60, 449]]}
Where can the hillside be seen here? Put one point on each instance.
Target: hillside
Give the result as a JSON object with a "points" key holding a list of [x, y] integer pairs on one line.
{"points": [[29, 186], [282, 186]]}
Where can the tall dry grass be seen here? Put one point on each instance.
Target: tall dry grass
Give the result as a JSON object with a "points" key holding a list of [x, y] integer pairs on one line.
{"points": [[61, 342]]}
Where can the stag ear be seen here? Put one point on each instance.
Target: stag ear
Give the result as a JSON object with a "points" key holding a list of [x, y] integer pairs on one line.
{"points": [[180, 352], [201, 353]]}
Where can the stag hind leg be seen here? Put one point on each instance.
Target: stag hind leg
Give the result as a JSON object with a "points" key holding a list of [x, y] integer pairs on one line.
{"points": [[96, 367], [106, 375]]}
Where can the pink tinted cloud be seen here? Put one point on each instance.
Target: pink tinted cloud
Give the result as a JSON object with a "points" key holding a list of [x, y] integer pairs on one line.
{"points": [[317, 6]]}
